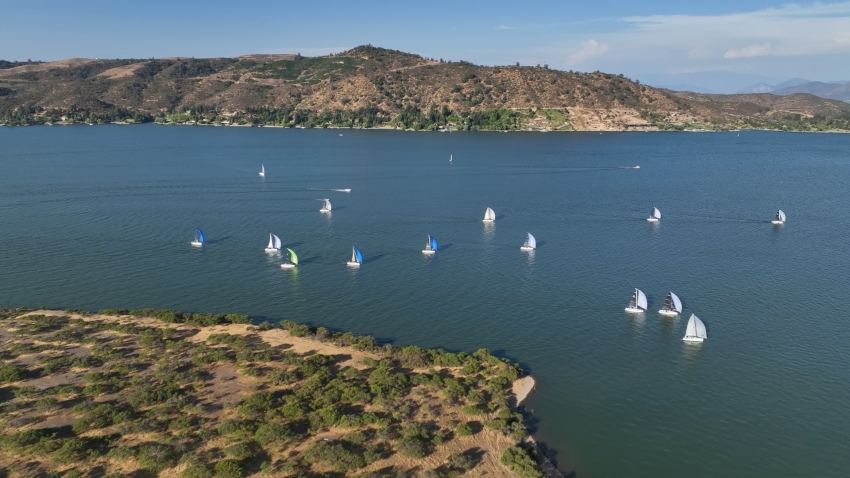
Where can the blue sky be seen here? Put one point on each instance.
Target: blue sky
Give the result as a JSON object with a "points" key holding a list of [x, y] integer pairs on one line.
{"points": [[637, 38]]}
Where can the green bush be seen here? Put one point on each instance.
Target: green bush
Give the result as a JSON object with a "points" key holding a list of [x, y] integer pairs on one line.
{"points": [[228, 469], [273, 434], [463, 430], [156, 457], [73, 449], [521, 462], [336, 455], [12, 373], [196, 471], [239, 451]]}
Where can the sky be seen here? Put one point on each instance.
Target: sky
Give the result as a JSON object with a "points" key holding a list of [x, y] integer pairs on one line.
{"points": [[758, 38]]}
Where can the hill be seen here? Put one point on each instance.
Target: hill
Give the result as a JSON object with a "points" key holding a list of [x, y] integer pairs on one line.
{"points": [[376, 87], [160, 393], [824, 90]]}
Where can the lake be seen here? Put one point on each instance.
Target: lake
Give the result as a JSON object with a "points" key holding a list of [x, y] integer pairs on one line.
{"points": [[101, 217]]}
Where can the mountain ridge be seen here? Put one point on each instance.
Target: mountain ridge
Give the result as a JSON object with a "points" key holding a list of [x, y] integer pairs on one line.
{"points": [[376, 87]]}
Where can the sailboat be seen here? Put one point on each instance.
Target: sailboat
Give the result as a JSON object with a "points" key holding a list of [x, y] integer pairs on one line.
{"points": [[327, 206], [530, 243], [672, 305], [638, 303], [656, 215], [450, 158], [262, 170], [779, 218], [292, 262], [430, 246], [356, 257], [274, 244], [199, 238], [695, 331], [489, 215]]}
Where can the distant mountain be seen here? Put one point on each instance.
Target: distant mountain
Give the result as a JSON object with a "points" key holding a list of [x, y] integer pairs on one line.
{"points": [[724, 82], [765, 88], [830, 91]]}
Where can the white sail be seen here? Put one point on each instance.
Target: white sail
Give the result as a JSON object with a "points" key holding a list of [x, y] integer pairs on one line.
{"points": [[530, 241], [276, 242], [641, 299], [780, 215], [271, 242], [489, 215], [656, 213], [353, 255], [327, 206], [428, 244], [676, 303], [262, 170], [691, 330], [700, 328]]}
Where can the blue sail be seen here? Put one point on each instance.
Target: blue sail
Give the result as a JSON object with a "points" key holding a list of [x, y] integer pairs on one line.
{"points": [[200, 235], [358, 255], [433, 243]]}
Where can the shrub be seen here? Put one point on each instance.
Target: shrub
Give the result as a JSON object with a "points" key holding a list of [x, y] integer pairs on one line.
{"points": [[72, 450], [463, 430], [413, 447], [520, 461], [228, 469], [470, 410], [196, 471], [239, 451], [156, 457], [272, 434], [12, 373], [25, 391], [336, 455]]}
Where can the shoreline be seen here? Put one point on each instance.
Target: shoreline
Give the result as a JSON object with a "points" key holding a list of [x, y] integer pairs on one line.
{"points": [[390, 128]]}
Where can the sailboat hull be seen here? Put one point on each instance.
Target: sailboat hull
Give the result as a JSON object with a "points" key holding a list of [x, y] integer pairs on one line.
{"points": [[652, 219], [352, 264], [693, 339], [669, 313], [262, 175], [324, 210], [196, 243], [634, 310], [777, 223], [272, 250], [489, 220], [428, 251], [287, 265], [526, 248]]}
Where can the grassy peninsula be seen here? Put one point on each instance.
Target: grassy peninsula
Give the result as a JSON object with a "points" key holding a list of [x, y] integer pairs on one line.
{"points": [[370, 87], [161, 393]]}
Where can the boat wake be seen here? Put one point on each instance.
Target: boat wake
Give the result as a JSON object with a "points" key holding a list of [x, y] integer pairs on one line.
{"points": [[337, 190]]}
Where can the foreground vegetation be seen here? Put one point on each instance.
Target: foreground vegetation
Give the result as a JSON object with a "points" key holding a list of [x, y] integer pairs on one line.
{"points": [[139, 393]]}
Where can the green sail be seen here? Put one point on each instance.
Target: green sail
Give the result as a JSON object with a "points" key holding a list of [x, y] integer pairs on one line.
{"points": [[292, 257]]}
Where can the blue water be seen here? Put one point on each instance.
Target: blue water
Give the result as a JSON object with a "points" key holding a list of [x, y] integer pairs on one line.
{"points": [[96, 217]]}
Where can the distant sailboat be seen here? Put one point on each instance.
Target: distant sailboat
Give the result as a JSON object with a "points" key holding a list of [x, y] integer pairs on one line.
{"points": [[326, 207], [656, 215], [430, 246], [292, 262], [779, 218], [638, 303], [672, 305], [489, 215], [274, 244], [695, 331], [199, 238], [262, 170], [530, 243], [356, 257], [450, 158]]}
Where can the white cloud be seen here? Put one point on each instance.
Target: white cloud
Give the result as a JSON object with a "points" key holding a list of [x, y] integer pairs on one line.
{"points": [[749, 51], [506, 27], [589, 49]]}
